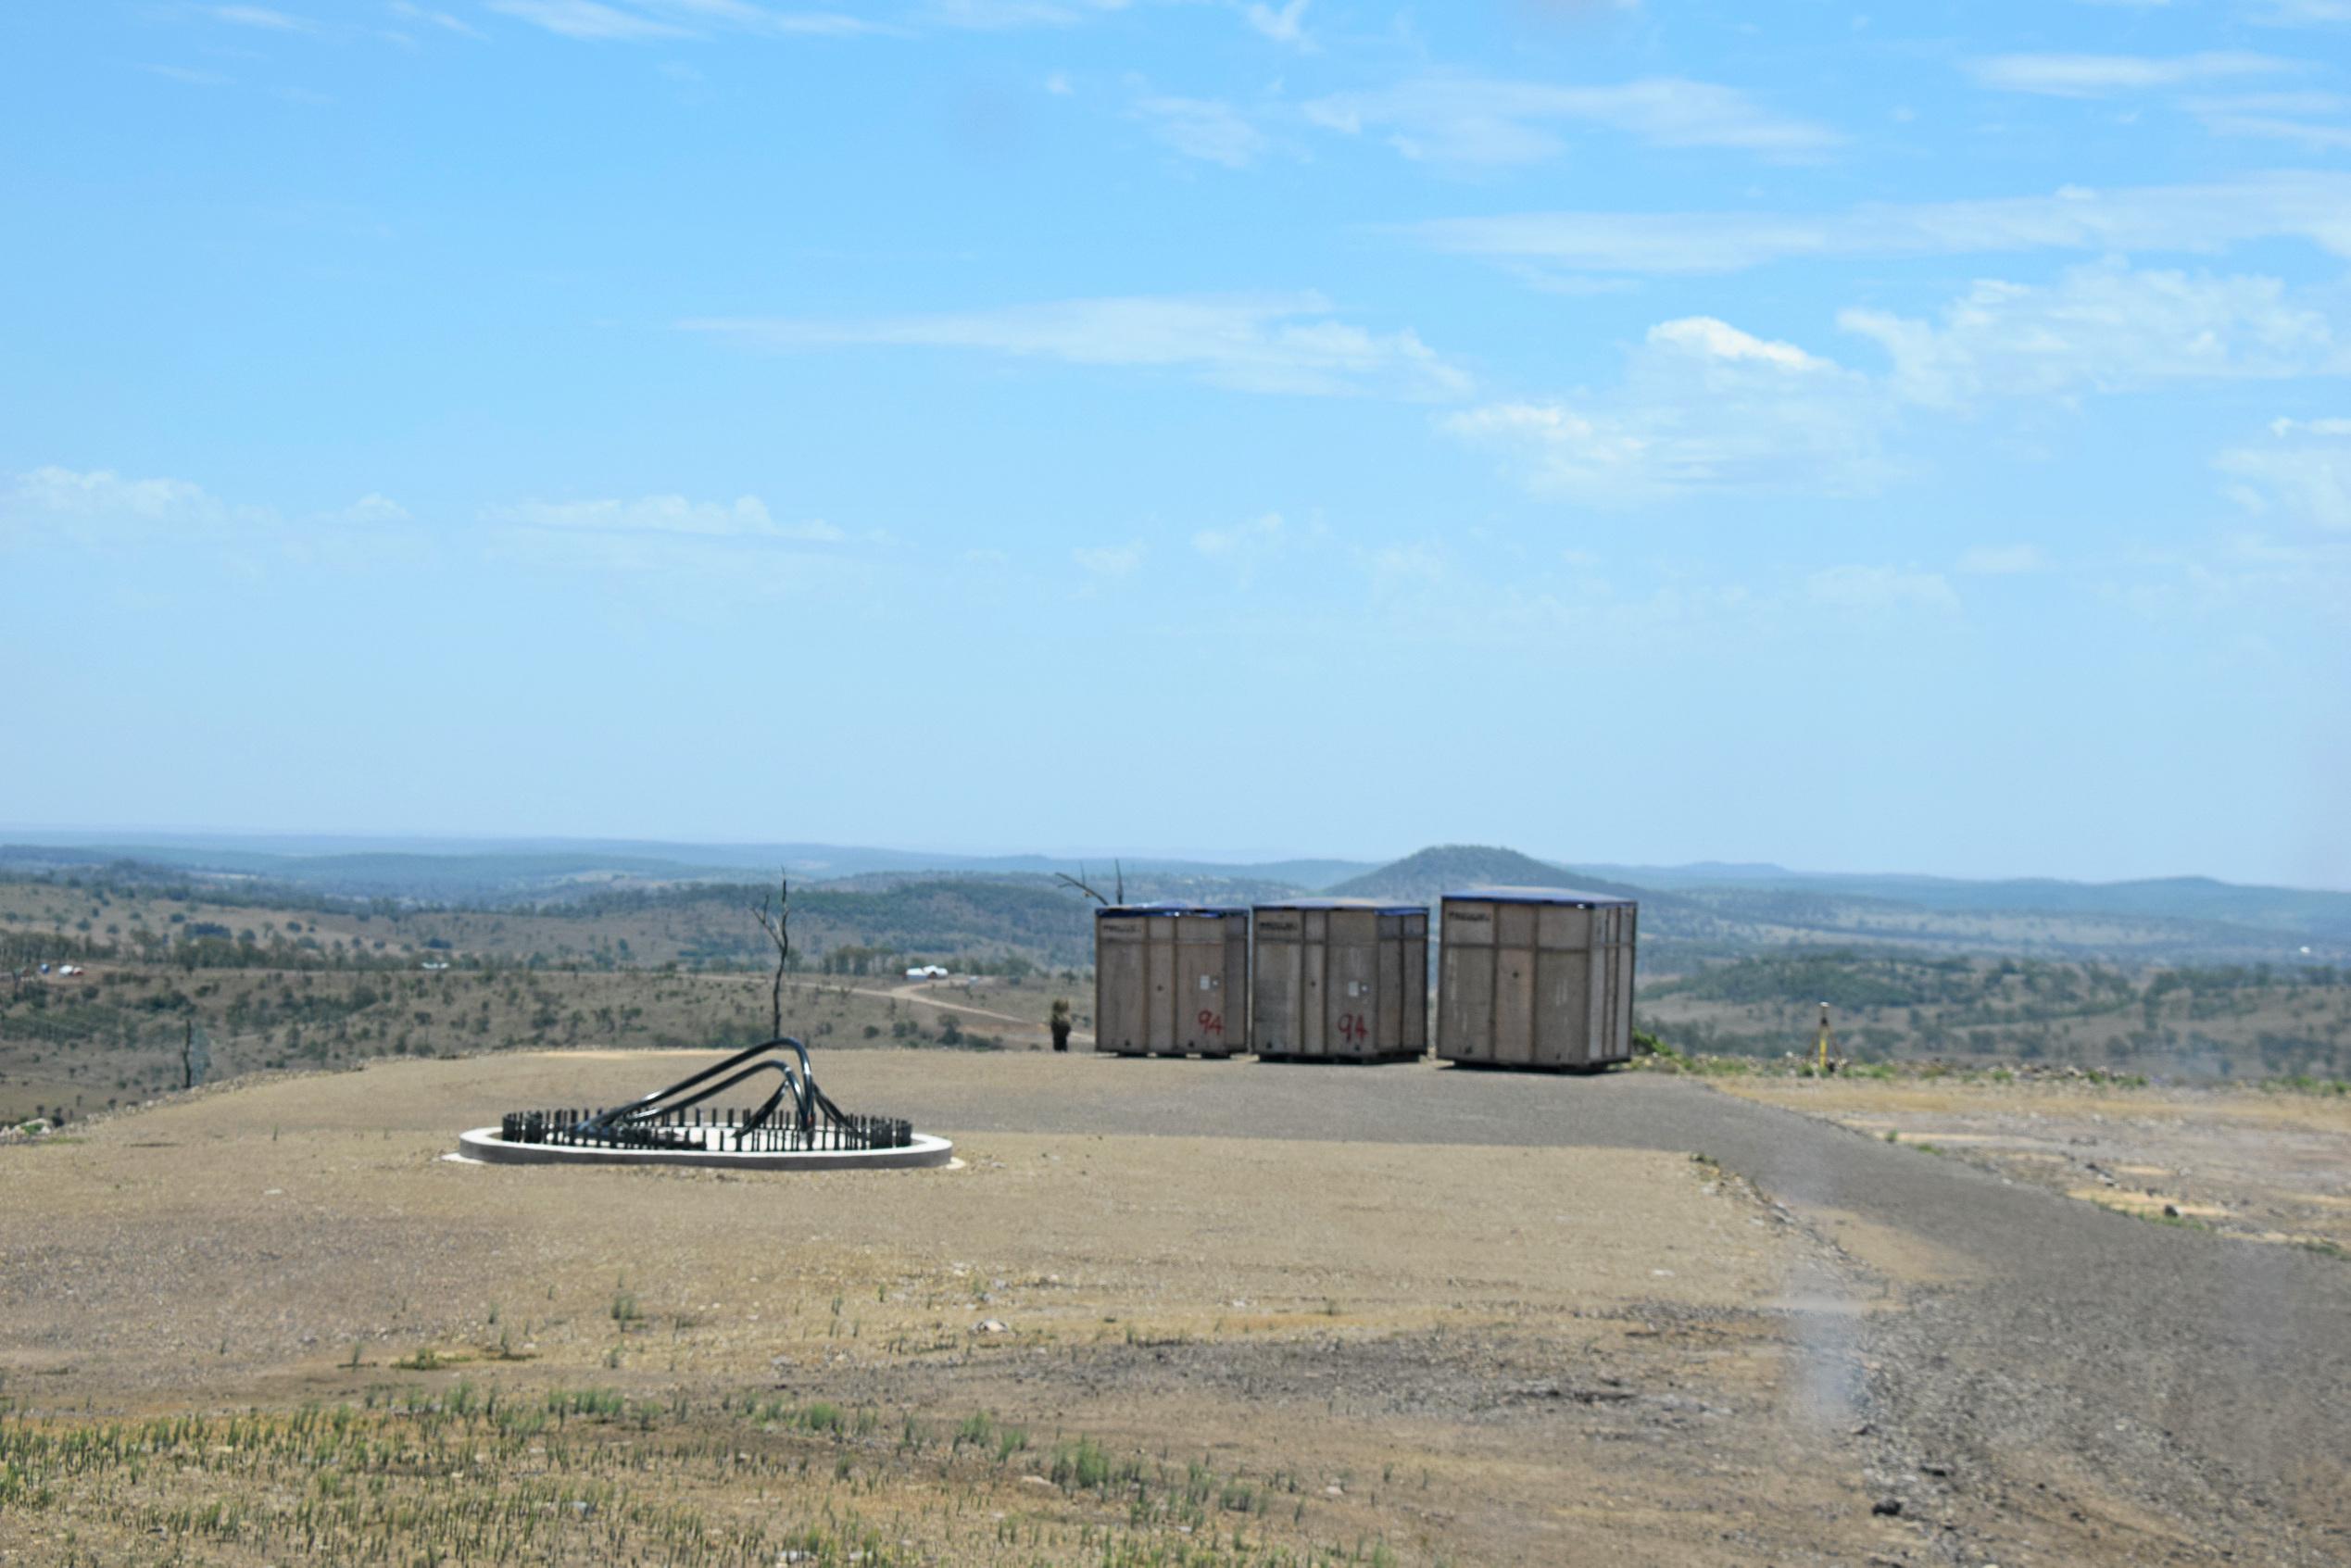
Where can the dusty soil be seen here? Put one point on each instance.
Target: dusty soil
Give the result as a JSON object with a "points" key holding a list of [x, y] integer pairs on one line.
{"points": [[1170, 1311], [1468, 1353], [2269, 1165]]}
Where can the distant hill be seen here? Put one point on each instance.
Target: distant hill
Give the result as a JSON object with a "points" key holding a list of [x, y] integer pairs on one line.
{"points": [[478, 878], [2308, 913], [1691, 915], [1695, 915], [933, 918], [1424, 875], [489, 873], [1141, 887]]}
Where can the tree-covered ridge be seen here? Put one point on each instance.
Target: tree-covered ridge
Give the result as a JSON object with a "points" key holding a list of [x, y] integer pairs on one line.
{"points": [[2193, 1021], [1429, 873]]}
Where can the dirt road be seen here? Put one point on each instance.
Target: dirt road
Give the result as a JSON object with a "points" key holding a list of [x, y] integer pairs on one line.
{"points": [[915, 993]]}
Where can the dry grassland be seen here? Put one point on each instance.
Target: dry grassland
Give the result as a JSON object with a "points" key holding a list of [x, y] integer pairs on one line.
{"points": [[111, 1036], [2272, 1165]]}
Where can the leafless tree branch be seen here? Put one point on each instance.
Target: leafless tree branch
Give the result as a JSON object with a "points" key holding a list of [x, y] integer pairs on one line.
{"points": [[1068, 881], [775, 916]]}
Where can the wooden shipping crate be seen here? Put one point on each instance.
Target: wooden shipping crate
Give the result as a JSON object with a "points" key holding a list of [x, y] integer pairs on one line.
{"points": [[1339, 980], [1171, 980], [1536, 977]]}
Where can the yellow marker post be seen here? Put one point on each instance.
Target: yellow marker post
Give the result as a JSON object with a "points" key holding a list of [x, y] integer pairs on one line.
{"points": [[1824, 1039]]}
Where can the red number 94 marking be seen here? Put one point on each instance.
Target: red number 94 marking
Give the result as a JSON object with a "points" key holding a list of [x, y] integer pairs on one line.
{"points": [[1210, 1023], [1354, 1028]]}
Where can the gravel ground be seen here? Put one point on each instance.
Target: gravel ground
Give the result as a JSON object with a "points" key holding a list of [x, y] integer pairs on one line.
{"points": [[1390, 1270], [2188, 1385]]}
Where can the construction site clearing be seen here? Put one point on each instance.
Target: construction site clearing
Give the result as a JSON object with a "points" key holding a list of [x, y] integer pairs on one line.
{"points": [[1163, 1312]]}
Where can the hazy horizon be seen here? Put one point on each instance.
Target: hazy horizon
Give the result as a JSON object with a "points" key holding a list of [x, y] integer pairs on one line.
{"points": [[70, 835]]}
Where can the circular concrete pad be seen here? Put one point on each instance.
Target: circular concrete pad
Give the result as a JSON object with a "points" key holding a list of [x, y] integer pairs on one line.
{"points": [[484, 1143]]}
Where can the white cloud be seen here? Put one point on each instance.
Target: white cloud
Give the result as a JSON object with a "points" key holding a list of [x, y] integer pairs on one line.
{"points": [[999, 14], [1240, 539], [1878, 590], [1407, 568], [2003, 560], [1110, 562], [1283, 25], [1254, 342], [631, 20], [100, 502], [745, 519], [2302, 13], [735, 549], [1476, 121], [1709, 339], [2302, 470], [261, 17], [1207, 129], [2103, 328], [2093, 76], [2318, 138], [99, 506], [743, 16], [370, 510], [1563, 452], [588, 19], [407, 10], [2314, 206], [2247, 580], [1703, 407], [2279, 117], [1247, 547]]}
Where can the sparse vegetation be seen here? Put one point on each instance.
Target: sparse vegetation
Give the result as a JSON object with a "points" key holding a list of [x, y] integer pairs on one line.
{"points": [[475, 1474], [347, 987], [2256, 1022], [279, 976]]}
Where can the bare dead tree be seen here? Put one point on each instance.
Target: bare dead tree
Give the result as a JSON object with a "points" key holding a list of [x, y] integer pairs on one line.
{"points": [[196, 1055], [775, 915], [1078, 881], [1068, 881]]}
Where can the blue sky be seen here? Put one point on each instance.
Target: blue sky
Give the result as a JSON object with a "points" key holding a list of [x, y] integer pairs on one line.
{"points": [[1911, 439]]}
